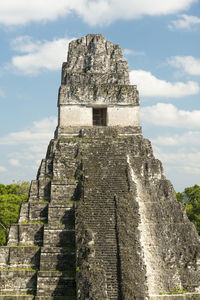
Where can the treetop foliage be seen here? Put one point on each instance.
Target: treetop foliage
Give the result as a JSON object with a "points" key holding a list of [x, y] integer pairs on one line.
{"points": [[11, 197], [15, 188], [191, 198]]}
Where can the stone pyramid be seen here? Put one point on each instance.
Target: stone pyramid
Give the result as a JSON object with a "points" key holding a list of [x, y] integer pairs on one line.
{"points": [[102, 221]]}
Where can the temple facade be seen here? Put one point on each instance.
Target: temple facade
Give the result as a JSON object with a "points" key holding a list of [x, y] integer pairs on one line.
{"points": [[95, 89], [102, 221]]}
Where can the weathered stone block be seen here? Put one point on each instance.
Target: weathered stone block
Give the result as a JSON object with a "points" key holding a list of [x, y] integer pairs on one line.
{"points": [[4, 257], [58, 236], [24, 257], [15, 297], [38, 212], [55, 298], [62, 191], [61, 214], [61, 259], [17, 282], [183, 296], [44, 189], [24, 212], [33, 193], [26, 234], [55, 283], [104, 94]]}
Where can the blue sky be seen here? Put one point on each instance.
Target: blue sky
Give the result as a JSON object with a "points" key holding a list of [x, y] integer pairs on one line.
{"points": [[160, 40]]}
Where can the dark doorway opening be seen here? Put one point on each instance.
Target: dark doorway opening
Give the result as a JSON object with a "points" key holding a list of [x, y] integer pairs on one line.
{"points": [[99, 116]]}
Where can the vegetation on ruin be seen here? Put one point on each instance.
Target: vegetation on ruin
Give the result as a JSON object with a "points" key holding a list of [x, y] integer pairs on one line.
{"points": [[191, 199], [174, 292], [11, 196]]}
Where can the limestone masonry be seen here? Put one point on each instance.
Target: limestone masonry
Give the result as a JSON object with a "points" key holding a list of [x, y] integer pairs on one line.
{"points": [[102, 221], [96, 76]]}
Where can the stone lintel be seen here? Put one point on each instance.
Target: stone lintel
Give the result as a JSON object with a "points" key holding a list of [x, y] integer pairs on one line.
{"points": [[100, 94]]}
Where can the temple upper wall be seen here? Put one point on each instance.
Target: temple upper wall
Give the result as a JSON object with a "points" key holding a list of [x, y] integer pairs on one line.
{"points": [[95, 88]]}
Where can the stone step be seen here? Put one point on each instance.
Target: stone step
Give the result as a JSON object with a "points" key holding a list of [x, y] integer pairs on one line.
{"points": [[24, 212], [20, 257], [26, 234], [55, 284], [33, 193], [17, 297], [44, 189], [61, 214], [44, 168], [34, 212], [40, 190], [61, 259], [64, 166], [63, 201], [63, 190], [186, 296], [58, 236], [18, 282], [55, 298]]}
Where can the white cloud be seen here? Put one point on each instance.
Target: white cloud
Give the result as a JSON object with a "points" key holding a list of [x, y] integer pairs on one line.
{"points": [[107, 11], [25, 44], [45, 55], [30, 144], [191, 138], [163, 114], [187, 64], [182, 162], [184, 22], [37, 135], [94, 12], [151, 86], [23, 154], [14, 162], [178, 157], [132, 52], [20, 12], [179, 152], [2, 169]]}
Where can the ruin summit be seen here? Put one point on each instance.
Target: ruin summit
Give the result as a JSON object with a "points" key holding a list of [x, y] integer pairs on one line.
{"points": [[102, 221]]}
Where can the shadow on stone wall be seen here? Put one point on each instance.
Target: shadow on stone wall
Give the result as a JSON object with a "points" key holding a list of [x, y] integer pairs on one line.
{"points": [[66, 263]]}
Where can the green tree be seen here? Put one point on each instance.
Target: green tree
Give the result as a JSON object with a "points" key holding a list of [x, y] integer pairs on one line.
{"points": [[180, 197], [11, 197], [23, 189], [193, 205], [2, 235], [191, 198]]}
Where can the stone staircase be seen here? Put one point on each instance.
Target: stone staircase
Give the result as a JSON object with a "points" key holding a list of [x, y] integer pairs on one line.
{"points": [[39, 259], [101, 223]]}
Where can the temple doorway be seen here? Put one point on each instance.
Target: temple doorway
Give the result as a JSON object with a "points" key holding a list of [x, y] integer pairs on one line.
{"points": [[99, 116]]}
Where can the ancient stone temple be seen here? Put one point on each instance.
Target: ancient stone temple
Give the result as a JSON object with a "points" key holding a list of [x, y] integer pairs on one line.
{"points": [[102, 221]]}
